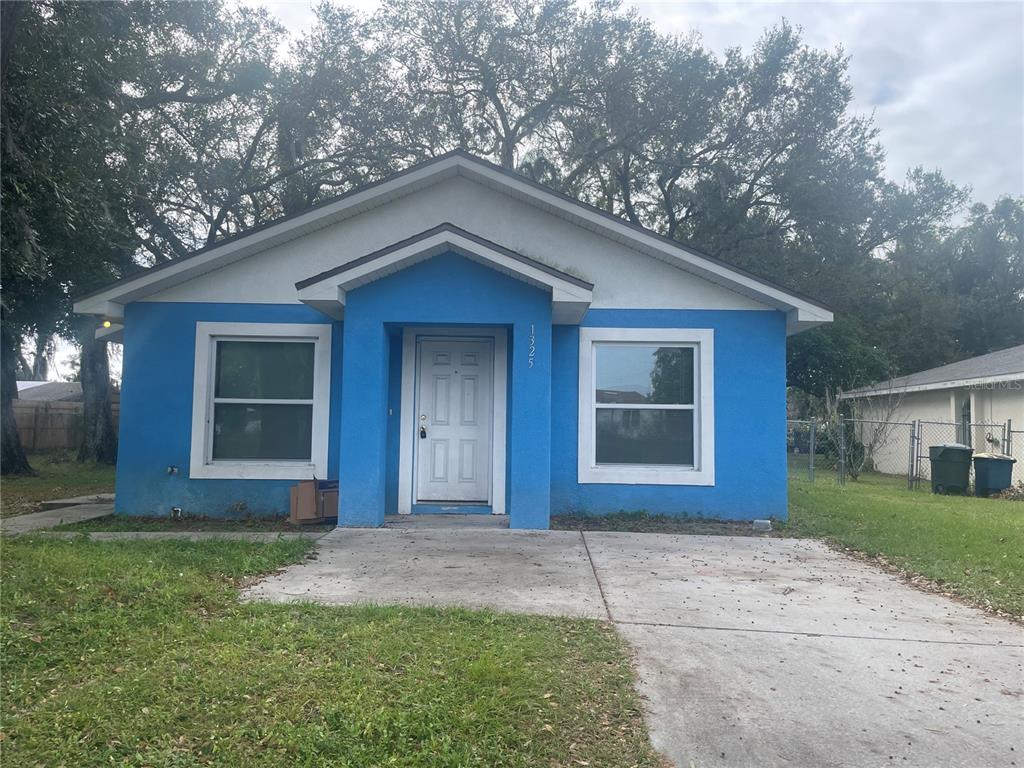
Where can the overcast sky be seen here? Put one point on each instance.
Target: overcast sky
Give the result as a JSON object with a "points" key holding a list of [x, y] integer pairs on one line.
{"points": [[945, 80]]}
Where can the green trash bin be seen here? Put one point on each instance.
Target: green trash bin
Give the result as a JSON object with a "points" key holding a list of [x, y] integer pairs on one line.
{"points": [[993, 473], [951, 467]]}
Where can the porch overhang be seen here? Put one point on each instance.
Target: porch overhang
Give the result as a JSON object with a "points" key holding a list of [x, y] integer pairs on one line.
{"points": [[326, 292]]}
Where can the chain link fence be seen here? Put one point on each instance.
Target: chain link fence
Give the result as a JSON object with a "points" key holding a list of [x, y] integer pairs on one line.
{"points": [[842, 449], [817, 448], [1015, 448]]}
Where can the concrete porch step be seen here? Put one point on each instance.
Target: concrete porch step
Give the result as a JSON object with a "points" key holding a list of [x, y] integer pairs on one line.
{"points": [[438, 522]]}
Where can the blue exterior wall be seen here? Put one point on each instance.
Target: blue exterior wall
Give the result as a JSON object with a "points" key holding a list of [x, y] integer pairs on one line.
{"points": [[446, 290], [158, 372], [156, 412], [750, 420]]}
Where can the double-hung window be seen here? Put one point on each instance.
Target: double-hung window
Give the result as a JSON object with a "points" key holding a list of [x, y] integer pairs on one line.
{"points": [[646, 406], [261, 400]]}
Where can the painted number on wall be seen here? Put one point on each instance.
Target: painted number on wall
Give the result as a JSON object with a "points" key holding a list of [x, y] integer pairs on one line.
{"points": [[533, 347]]}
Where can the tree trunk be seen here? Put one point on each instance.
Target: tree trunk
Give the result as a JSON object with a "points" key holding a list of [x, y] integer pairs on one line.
{"points": [[41, 363], [99, 438], [13, 460]]}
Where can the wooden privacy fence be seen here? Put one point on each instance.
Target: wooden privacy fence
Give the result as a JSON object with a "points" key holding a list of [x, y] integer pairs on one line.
{"points": [[51, 426]]}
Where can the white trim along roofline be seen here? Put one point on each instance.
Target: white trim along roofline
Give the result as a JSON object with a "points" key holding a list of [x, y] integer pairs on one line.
{"points": [[109, 302], [979, 381], [327, 291]]}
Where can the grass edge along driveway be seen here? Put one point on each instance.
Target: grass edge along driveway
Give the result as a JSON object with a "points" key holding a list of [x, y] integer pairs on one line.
{"points": [[140, 654], [969, 547]]}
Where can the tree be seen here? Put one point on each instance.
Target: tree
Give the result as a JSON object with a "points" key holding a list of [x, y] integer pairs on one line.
{"points": [[840, 356], [84, 86], [986, 257], [493, 73]]}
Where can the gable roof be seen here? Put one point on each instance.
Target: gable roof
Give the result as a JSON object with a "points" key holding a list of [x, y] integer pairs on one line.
{"points": [[109, 302], [49, 391], [326, 291], [1003, 365]]}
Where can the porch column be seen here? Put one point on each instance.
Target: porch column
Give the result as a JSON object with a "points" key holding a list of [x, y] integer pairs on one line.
{"points": [[362, 449], [529, 454]]}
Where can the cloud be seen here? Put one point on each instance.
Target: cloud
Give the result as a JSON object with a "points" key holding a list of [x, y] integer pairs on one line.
{"points": [[944, 80]]}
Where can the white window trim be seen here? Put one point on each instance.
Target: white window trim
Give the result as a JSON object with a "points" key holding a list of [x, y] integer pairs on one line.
{"points": [[201, 464], [703, 471]]}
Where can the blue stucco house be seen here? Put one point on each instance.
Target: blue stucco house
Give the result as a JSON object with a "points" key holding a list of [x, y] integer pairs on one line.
{"points": [[453, 338]]}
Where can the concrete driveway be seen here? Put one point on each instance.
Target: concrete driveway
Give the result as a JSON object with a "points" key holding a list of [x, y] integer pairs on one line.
{"points": [[749, 651]]}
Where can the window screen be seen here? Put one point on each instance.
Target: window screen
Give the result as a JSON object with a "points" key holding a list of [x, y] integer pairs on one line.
{"points": [[644, 403], [263, 400]]}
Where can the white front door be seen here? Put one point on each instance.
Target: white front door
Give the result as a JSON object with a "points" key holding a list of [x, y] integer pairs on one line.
{"points": [[454, 402]]}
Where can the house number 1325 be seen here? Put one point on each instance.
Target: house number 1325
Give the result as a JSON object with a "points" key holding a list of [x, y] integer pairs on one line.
{"points": [[533, 347]]}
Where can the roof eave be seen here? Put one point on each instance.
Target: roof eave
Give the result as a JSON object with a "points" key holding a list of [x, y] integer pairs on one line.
{"points": [[977, 381], [802, 312], [327, 292]]}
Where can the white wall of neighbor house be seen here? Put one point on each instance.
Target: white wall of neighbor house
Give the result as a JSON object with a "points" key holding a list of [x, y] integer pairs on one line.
{"points": [[1000, 402], [990, 405], [892, 452], [995, 404], [934, 405], [269, 277]]}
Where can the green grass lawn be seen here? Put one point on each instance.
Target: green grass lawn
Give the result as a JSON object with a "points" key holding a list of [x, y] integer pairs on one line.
{"points": [[251, 524], [971, 547], [57, 478], [139, 654]]}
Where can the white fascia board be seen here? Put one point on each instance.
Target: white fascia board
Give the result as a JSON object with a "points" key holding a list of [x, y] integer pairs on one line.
{"points": [[938, 385], [100, 308], [326, 298], [175, 273], [799, 320], [570, 300], [445, 241]]}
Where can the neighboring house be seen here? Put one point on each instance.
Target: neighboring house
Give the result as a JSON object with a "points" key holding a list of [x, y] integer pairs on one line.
{"points": [[50, 391], [453, 338], [968, 402], [48, 414]]}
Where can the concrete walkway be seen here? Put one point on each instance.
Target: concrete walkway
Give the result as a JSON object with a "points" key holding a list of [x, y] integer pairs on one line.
{"points": [[749, 651], [48, 518], [75, 501]]}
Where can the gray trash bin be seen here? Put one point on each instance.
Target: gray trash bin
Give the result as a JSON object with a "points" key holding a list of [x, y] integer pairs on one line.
{"points": [[951, 467]]}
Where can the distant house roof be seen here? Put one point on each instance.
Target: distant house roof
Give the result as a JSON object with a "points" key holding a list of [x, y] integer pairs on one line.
{"points": [[1004, 365], [50, 391]]}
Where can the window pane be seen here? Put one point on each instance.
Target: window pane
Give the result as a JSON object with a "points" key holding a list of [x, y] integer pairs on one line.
{"points": [[641, 373], [265, 369], [262, 431], [635, 436]]}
